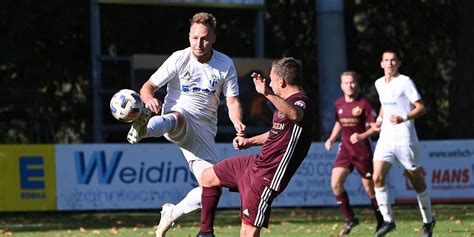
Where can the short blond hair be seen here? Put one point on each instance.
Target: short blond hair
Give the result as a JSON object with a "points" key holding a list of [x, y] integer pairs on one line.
{"points": [[353, 74], [204, 18]]}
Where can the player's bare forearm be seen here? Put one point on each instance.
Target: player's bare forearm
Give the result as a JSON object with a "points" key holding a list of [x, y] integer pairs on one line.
{"points": [[240, 142], [259, 139], [292, 112], [147, 95], [418, 110], [368, 133], [335, 132], [235, 114]]}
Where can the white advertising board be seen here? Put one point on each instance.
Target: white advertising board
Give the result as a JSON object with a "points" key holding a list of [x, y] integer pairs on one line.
{"points": [[122, 176], [311, 185], [449, 172]]}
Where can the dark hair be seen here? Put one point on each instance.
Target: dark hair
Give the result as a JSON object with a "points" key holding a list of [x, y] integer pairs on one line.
{"points": [[204, 18], [289, 69], [397, 55]]}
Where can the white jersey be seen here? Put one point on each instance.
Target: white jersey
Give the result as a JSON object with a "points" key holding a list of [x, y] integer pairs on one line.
{"points": [[195, 87], [396, 98]]}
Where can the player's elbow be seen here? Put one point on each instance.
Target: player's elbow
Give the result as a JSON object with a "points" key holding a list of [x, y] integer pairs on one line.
{"points": [[148, 88], [296, 114], [421, 110]]}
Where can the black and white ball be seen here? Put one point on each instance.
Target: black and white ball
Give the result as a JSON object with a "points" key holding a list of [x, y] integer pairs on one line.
{"points": [[126, 105]]}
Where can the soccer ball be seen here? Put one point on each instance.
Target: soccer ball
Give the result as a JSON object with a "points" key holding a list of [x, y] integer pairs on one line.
{"points": [[126, 105]]}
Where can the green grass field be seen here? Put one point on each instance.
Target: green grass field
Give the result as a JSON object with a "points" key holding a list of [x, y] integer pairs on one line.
{"points": [[452, 220]]}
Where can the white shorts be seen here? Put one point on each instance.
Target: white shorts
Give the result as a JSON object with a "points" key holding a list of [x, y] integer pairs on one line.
{"points": [[197, 143], [406, 155]]}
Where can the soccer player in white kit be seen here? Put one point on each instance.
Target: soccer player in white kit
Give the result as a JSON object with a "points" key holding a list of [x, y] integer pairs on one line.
{"points": [[196, 77], [401, 104]]}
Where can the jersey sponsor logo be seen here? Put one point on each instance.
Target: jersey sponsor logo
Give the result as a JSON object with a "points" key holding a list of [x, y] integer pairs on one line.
{"points": [[198, 90], [278, 126], [356, 111], [300, 104], [349, 122]]}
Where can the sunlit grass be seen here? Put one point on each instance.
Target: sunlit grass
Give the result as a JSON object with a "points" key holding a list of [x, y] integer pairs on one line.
{"points": [[452, 220]]}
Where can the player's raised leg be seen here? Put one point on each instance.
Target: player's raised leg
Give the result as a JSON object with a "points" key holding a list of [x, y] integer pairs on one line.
{"points": [[156, 126]]}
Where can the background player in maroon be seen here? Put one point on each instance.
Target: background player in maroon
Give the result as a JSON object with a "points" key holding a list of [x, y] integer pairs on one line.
{"points": [[261, 177], [353, 114]]}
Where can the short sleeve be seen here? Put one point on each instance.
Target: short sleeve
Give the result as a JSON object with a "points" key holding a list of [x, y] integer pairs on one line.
{"points": [[411, 92]]}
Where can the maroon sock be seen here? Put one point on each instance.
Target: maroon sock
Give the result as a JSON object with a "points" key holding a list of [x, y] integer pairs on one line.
{"points": [[343, 202], [209, 201], [375, 207]]}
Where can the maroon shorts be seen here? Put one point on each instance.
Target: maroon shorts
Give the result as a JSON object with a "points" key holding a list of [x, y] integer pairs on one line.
{"points": [[255, 195], [362, 161]]}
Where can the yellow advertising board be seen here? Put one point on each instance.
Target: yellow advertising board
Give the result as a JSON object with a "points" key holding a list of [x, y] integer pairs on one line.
{"points": [[27, 178]]}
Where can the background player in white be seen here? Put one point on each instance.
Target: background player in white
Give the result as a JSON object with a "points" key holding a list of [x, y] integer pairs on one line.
{"points": [[196, 77], [401, 104]]}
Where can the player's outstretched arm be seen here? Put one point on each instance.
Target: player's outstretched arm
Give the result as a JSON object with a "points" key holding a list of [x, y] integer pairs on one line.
{"points": [[355, 137], [235, 114], [378, 123], [334, 134], [292, 112], [417, 111], [147, 94], [240, 143]]}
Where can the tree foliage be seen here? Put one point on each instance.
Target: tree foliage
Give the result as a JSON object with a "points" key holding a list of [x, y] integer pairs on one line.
{"points": [[421, 31], [45, 67], [44, 71]]}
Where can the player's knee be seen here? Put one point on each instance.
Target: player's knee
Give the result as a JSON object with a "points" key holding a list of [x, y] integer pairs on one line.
{"points": [[249, 231], [337, 188], [370, 191], [208, 178], [379, 180]]}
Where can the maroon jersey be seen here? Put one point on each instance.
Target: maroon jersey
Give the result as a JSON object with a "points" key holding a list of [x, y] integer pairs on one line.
{"points": [[353, 117], [287, 144]]}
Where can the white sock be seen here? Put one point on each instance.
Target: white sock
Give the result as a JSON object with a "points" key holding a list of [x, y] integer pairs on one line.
{"points": [[159, 125], [381, 194], [191, 202], [424, 202]]}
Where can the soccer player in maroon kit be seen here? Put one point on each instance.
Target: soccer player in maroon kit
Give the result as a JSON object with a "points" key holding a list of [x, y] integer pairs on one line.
{"points": [[353, 114], [261, 177]]}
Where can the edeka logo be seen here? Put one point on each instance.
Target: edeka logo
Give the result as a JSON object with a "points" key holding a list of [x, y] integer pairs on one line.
{"points": [[109, 171], [32, 182]]}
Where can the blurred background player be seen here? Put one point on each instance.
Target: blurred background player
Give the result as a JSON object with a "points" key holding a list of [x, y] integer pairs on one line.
{"points": [[195, 78], [401, 104], [353, 115], [261, 177]]}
